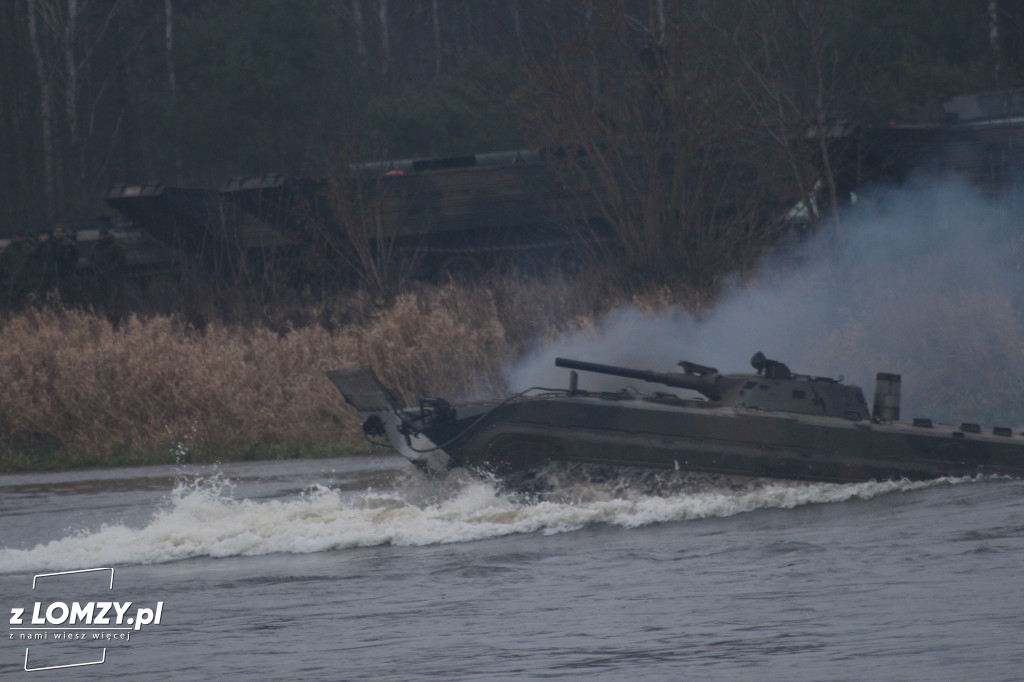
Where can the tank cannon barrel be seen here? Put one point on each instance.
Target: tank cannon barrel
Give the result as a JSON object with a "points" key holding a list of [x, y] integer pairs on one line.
{"points": [[705, 384]]}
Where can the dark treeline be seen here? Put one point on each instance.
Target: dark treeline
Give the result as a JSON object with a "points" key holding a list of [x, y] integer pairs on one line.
{"points": [[192, 92]]}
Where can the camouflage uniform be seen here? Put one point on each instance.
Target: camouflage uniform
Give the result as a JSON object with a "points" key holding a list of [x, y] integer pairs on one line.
{"points": [[108, 261], [44, 265], [15, 268], [66, 262]]}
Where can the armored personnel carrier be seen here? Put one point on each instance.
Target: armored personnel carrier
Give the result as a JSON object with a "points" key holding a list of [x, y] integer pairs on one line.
{"points": [[772, 423]]}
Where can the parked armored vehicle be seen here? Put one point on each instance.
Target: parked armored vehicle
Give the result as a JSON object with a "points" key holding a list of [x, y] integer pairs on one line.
{"points": [[532, 210], [772, 423], [202, 222], [451, 215], [144, 254], [442, 216], [216, 236]]}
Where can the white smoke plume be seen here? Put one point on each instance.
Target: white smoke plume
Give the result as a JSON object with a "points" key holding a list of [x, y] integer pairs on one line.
{"points": [[924, 281]]}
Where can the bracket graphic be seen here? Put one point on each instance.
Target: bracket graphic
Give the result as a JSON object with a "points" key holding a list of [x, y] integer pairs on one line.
{"points": [[103, 658], [69, 665]]}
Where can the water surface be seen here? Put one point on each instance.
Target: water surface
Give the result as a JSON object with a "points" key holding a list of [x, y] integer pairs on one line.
{"points": [[359, 568]]}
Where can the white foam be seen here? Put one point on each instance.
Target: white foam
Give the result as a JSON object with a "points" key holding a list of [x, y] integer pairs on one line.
{"points": [[205, 520]]}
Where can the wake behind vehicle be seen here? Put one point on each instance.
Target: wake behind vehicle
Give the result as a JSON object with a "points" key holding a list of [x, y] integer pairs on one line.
{"points": [[772, 423]]}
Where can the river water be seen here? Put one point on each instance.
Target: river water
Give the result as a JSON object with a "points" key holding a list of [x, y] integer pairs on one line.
{"points": [[360, 569]]}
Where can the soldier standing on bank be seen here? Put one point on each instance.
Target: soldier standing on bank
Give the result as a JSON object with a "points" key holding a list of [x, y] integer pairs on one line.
{"points": [[66, 248], [15, 261], [44, 265], [108, 261]]}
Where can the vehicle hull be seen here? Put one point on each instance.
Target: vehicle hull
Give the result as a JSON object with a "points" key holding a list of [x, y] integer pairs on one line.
{"points": [[662, 432], [525, 435]]}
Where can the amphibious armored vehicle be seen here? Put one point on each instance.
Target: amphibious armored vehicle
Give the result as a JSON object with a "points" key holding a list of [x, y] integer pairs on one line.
{"points": [[772, 423]]}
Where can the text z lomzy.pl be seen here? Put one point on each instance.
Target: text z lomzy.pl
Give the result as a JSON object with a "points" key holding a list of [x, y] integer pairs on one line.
{"points": [[100, 613]]}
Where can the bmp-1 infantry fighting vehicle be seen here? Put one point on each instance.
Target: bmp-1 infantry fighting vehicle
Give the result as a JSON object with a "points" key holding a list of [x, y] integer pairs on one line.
{"points": [[774, 424]]}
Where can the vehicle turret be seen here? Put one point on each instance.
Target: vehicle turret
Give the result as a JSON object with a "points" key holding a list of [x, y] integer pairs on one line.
{"points": [[774, 387]]}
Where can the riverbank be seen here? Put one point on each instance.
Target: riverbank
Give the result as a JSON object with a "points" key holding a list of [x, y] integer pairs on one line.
{"points": [[42, 459]]}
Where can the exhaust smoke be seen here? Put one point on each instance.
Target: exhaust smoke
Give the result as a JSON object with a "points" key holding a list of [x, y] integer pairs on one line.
{"points": [[924, 281]]}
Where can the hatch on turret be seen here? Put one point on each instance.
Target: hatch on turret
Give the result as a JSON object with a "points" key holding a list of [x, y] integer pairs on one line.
{"points": [[803, 395], [777, 389]]}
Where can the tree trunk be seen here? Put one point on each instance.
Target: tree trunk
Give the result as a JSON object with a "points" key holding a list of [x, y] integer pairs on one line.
{"points": [[45, 108], [172, 82], [437, 38], [993, 37], [357, 19], [659, 13], [517, 23], [16, 131], [70, 64], [169, 47], [385, 38]]}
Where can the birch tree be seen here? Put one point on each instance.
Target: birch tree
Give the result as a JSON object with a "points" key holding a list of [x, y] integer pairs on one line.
{"points": [[360, 31], [45, 105], [172, 81], [385, 37]]}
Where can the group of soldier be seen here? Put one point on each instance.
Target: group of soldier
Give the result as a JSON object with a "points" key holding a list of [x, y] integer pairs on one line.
{"points": [[48, 266]]}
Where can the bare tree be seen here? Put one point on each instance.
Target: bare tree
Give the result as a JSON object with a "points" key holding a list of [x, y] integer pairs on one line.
{"points": [[172, 79], [640, 116], [436, 16], [360, 30], [385, 36], [45, 105], [354, 223], [789, 75], [994, 39], [63, 48], [71, 66], [517, 23]]}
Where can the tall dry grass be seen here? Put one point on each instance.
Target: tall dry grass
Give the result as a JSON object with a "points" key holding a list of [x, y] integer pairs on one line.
{"points": [[76, 385], [79, 389]]}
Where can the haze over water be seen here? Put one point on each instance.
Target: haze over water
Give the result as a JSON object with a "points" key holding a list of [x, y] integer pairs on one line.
{"points": [[360, 569]]}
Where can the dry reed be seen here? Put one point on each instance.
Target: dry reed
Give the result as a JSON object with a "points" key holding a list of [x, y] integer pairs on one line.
{"points": [[80, 390]]}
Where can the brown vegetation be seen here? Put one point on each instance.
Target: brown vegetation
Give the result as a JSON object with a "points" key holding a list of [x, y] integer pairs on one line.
{"points": [[81, 390]]}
